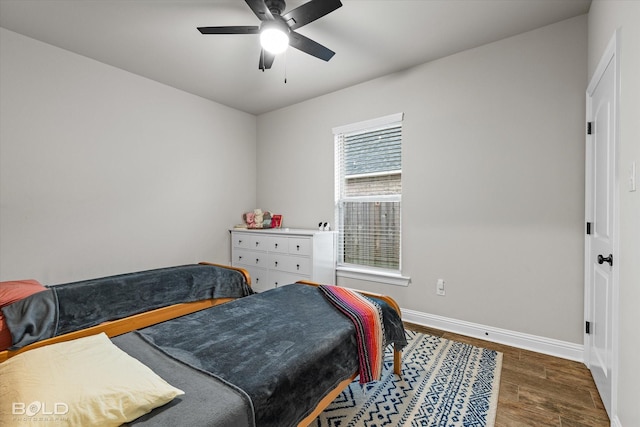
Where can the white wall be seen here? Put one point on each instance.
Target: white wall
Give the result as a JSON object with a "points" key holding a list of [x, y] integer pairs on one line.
{"points": [[493, 177], [104, 172], [604, 18]]}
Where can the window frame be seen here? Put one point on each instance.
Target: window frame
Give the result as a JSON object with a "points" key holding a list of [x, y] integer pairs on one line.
{"points": [[357, 271]]}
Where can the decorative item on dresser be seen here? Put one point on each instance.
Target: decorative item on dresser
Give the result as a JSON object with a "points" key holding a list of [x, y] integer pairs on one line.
{"points": [[283, 256]]}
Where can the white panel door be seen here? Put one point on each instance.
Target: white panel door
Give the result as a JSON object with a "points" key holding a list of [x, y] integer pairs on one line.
{"points": [[601, 213]]}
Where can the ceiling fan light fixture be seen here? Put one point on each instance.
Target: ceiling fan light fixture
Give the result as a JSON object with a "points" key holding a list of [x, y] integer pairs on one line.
{"points": [[274, 38], [278, 31]]}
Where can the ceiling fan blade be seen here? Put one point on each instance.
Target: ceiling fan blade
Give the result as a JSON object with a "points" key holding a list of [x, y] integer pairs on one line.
{"points": [[260, 9], [307, 45], [229, 30], [266, 60], [309, 12]]}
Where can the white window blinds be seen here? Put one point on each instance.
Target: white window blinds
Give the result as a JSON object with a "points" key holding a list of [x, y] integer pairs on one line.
{"points": [[368, 193]]}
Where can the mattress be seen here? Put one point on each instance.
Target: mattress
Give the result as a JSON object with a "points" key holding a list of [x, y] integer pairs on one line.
{"points": [[284, 349]]}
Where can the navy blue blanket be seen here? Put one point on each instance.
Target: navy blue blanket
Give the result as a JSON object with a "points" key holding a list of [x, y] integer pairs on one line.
{"points": [[286, 348], [73, 306]]}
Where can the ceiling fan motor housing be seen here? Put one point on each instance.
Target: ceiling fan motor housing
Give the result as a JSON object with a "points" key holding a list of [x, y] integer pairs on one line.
{"points": [[275, 6]]}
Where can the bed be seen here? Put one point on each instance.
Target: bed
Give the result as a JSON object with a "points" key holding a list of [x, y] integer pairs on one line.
{"points": [[277, 358]]}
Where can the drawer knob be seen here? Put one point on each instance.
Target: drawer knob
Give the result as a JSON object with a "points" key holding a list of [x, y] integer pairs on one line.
{"points": [[275, 263], [276, 246], [257, 243], [240, 257], [297, 247], [257, 260], [297, 266]]}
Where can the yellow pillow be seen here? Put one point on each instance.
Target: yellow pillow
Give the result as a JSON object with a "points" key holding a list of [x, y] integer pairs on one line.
{"points": [[84, 382]]}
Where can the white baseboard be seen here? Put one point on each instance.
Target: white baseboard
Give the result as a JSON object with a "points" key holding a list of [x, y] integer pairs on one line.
{"points": [[615, 422], [550, 346]]}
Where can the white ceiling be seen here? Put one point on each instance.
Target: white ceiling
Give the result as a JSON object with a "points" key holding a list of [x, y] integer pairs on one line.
{"points": [[158, 39]]}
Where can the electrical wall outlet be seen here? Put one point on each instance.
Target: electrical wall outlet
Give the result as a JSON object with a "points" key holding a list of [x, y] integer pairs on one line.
{"points": [[440, 287]]}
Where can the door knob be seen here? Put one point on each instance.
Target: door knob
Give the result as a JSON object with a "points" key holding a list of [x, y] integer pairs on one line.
{"points": [[608, 259]]}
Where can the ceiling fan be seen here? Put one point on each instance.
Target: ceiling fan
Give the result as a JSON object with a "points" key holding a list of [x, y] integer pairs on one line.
{"points": [[277, 30]]}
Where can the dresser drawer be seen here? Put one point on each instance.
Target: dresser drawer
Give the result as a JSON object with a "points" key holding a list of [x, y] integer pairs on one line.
{"points": [[259, 243], [241, 241], [278, 244], [291, 264], [259, 278], [299, 265], [249, 258], [281, 278], [299, 246], [250, 242]]}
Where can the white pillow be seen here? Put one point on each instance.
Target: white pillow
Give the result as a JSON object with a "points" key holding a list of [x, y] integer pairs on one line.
{"points": [[85, 382]]}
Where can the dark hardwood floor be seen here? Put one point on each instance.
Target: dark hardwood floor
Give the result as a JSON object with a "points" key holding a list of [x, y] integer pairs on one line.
{"points": [[538, 390]]}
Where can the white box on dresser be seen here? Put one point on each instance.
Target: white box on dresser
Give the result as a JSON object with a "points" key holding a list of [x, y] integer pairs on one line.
{"points": [[280, 256]]}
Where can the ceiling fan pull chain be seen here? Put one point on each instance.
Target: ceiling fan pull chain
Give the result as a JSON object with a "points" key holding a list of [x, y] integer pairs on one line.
{"points": [[285, 67]]}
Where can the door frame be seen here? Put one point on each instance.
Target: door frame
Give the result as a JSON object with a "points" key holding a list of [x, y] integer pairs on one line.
{"points": [[610, 55]]}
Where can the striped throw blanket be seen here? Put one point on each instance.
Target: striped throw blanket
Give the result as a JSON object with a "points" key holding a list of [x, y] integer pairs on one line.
{"points": [[366, 315]]}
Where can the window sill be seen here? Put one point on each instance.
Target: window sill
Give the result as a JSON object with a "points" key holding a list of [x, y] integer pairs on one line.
{"points": [[372, 275]]}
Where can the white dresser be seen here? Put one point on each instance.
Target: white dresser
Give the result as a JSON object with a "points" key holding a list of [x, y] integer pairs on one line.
{"points": [[276, 257]]}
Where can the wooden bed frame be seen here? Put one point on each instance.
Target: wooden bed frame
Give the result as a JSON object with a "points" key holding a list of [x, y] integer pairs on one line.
{"points": [[142, 320], [114, 328]]}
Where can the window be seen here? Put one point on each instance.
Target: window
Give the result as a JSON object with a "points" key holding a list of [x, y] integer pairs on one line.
{"points": [[368, 195]]}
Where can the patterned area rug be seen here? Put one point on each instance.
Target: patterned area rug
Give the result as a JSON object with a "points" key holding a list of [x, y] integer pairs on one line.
{"points": [[444, 383]]}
